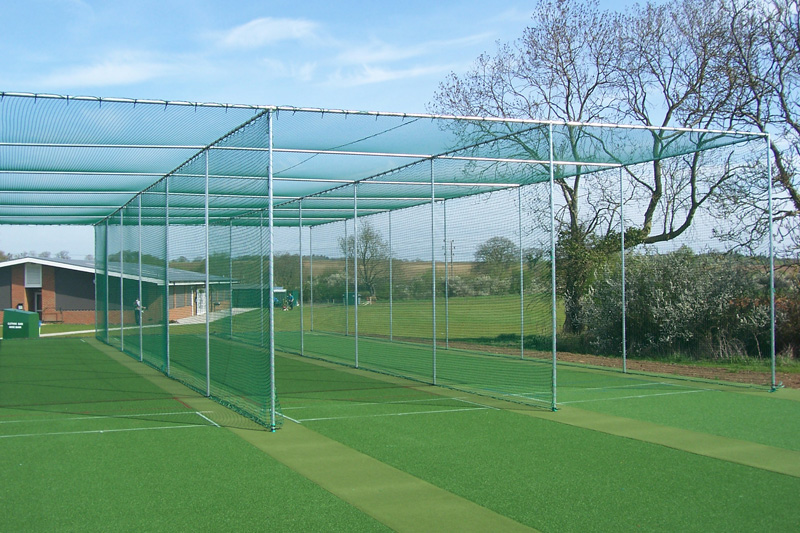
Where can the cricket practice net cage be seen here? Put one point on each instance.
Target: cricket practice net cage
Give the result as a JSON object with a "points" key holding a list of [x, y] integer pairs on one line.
{"points": [[452, 251]]}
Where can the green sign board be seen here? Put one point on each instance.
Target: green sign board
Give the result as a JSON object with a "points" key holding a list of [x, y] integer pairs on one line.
{"points": [[20, 324]]}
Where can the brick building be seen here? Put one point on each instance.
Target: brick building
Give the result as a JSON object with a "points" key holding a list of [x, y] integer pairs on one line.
{"points": [[63, 290]]}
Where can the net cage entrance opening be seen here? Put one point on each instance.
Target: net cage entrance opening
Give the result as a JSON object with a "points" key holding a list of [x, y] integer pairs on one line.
{"points": [[412, 245]]}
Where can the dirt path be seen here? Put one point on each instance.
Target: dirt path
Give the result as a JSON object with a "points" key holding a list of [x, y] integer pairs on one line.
{"points": [[737, 376]]}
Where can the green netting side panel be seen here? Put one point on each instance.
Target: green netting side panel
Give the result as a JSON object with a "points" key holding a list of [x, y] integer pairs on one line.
{"points": [[698, 291], [481, 266], [248, 268], [131, 280], [100, 283], [113, 253], [286, 293], [188, 304], [331, 296], [154, 301]]}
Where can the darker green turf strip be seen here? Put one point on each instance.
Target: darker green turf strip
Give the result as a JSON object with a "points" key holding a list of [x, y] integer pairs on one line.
{"points": [[559, 478], [764, 420]]}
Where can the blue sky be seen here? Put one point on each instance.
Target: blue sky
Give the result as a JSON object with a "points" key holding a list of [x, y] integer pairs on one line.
{"points": [[370, 55]]}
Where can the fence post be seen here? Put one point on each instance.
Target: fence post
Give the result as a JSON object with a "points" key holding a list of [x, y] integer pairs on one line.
{"points": [[553, 267]]}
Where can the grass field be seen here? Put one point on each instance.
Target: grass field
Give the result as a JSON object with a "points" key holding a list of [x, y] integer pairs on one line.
{"points": [[92, 440]]}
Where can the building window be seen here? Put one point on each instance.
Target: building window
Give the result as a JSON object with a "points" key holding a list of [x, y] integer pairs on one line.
{"points": [[33, 276]]}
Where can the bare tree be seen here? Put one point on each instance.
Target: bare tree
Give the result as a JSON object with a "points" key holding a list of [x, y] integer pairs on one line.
{"points": [[672, 54], [562, 68], [765, 69], [373, 255]]}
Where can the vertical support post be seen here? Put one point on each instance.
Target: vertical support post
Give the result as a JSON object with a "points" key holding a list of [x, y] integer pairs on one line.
{"points": [[346, 282], [446, 284], [622, 256], [207, 288], [105, 262], [300, 303], [774, 385], [140, 310], [554, 319], [433, 268], [96, 302], [355, 268], [521, 278], [121, 280], [230, 274], [166, 272], [271, 220], [391, 283], [261, 273], [311, 276]]}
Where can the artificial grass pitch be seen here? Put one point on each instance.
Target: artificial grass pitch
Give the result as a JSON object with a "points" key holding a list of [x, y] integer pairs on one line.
{"points": [[192, 478], [528, 466]]}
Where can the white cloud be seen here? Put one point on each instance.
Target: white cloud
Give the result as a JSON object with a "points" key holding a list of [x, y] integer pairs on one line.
{"points": [[369, 75], [118, 69], [380, 52], [264, 31], [302, 72]]}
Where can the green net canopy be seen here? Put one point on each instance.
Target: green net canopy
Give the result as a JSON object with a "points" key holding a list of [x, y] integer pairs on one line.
{"points": [[56, 149]]}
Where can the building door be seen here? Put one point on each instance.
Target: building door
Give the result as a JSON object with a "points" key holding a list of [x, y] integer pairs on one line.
{"points": [[37, 303], [201, 301]]}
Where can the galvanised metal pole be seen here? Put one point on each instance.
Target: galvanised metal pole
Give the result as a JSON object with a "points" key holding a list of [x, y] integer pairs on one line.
{"points": [[121, 280], [261, 272], [774, 386], [230, 273], [208, 291], [446, 284], [141, 303], [391, 282], [554, 323], [355, 268], [346, 282], [105, 261], [624, 299], [311, 276], [433, 267], [300, 303], [271, 217], [166, 271], [96, 286], [521, 278]]}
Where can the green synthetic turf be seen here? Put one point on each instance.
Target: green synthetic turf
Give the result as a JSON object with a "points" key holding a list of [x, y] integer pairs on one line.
{"points": [[192, 478], [559, 478], [545, 474], [772, 421], [539, 472]]}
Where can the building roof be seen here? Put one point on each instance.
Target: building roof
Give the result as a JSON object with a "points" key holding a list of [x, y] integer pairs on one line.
{"points": [[150, 273]]}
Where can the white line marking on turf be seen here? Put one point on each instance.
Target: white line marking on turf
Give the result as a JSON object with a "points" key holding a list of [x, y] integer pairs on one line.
{"points": [[100, 417], [365, 404], [638, 396], [201, 415], [98, 431], [475, 403], [289, 418], [395, 414], [613, 387]]}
